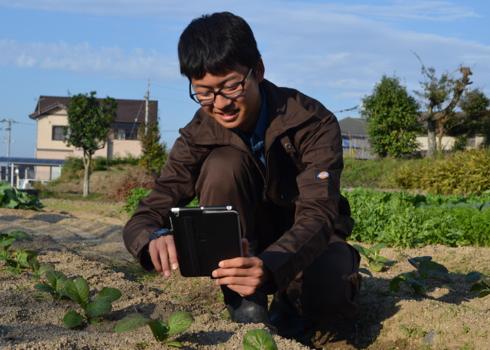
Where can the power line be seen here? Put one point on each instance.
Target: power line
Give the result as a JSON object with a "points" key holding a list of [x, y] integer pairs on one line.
{"points": [[347, 109]]}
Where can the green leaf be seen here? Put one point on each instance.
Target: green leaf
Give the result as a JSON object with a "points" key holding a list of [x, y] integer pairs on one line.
{"points": [[131, 322], [159, 329], [71, 291], [377, 247], [360, 249], [178, 322], [258, 339], [376, 266], [98, 308], [6, 242], [43, 287], [417, 286], [51, 277], [473, 276], [72, 319], [44, 268], [20, 235], [174, 343], [82, 289], [482, 287], [395, 282], [22, 258], [111, 294]]}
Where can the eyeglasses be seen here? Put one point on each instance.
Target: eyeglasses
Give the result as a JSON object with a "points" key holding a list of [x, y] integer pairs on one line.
{"points": [[207, 98]]}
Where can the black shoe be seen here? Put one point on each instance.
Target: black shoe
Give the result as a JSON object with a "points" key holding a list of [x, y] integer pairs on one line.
{"points": [[248, 312], [251, 309], [285, 318]]}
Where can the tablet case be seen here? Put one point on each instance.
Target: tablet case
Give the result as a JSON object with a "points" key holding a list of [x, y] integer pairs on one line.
{"points": [[204, 236]]}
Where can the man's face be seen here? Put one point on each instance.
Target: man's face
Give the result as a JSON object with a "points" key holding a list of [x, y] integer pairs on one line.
{"points": [[241, 112]]}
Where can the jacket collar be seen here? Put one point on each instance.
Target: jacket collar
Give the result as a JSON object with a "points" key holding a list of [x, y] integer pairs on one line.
{"points": [[285, 110]]}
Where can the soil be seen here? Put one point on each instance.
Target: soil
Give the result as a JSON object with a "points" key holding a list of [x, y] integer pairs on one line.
{"points": [[84, 238]]}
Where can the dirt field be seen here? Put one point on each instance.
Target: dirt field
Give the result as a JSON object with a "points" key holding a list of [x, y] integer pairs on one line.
{"points": [[84, 238]]}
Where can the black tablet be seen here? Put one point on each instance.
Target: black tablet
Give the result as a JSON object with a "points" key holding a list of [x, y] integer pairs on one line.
{"points": [[204, 236]]}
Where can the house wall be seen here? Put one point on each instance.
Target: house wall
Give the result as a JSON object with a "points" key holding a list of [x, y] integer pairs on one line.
{"points": [[51, 149], [45, 130], [448, 142]]}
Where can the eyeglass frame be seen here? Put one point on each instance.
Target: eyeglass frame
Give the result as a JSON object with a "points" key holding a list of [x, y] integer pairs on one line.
{"points": [[218, 91]]}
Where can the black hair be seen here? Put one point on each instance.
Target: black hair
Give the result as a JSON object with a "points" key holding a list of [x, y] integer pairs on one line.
{"points": [[215, 44]]}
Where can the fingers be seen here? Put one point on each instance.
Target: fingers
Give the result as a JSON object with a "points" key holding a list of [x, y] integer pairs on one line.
{"points": [[244, 291], [238, 272], [154, 255], [172, 253], [245, 247], [241, 262], [253, 282], [163, 255]]}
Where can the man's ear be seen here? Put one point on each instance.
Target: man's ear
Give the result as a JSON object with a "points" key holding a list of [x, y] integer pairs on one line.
{"points": [[259, 71]]}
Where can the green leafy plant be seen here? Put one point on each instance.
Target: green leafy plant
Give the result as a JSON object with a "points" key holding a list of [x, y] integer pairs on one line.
{"points": [[376, 262], [6, 241], [164, 332], [258, 339], [53, 283], [481, 283], [408, 220], [417, 280], [93, 308], [391, 114], [12, 198], [89, 123], [135, 196], [21, 260]]}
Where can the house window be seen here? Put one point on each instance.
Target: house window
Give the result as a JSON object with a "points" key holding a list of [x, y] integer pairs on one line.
{"points": [[58, 133], [125, 131]]}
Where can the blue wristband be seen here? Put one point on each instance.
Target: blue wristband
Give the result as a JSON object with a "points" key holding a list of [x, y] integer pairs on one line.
{"points": [[160, 233]]}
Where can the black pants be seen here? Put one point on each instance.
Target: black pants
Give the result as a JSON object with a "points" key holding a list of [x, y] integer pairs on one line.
{"points": [[326, 289]]}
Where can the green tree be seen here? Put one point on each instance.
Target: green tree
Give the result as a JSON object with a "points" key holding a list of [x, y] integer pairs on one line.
{"points": [[476, 114], [441, 95], [391, 114], [89, 122], [154, 153]]}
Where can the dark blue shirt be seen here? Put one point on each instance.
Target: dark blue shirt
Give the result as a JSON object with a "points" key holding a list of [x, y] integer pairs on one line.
{"points": [[255, 140]]}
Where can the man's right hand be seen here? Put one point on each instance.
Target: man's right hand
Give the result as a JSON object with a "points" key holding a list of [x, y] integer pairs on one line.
{"points": [[164, 255]]}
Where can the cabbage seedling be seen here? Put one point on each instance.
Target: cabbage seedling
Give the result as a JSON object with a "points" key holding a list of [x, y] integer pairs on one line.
{"points": [[258, 339], [376, 262], [53, 283], [178, 322], [93, 309]]}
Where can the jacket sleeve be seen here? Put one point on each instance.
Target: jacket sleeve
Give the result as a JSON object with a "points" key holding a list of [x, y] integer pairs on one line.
{"points": [[174, 187], [317, 206]]}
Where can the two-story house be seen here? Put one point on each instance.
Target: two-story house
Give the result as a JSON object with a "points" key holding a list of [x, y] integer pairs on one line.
{"points": [[52, 120]]}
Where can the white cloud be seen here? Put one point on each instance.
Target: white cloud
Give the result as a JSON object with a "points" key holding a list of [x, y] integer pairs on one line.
{"points": [[397, 9], [84, 58], [334, 51]]}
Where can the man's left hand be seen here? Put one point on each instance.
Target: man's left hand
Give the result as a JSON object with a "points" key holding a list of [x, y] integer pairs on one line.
{"points": [[243, 275]]}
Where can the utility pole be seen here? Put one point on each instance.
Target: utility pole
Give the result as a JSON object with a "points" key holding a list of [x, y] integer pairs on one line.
{"points": [[8, 129], [147, 100]]}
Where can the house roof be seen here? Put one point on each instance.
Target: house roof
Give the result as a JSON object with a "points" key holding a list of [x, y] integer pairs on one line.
{"points": [[353, 126], [128, 111], [31, 161]]}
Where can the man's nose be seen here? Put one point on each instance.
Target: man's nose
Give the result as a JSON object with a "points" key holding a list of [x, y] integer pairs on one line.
{"points": [[221, 102]]}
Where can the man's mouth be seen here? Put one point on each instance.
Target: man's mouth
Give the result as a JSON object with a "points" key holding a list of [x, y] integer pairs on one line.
{"points": [[228, 116]]}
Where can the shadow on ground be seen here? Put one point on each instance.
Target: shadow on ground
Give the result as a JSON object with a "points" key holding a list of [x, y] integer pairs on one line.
{"points": [[378, 303]]}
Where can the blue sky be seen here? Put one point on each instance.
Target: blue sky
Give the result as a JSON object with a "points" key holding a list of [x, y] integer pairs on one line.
{"points": [[335, 51]]}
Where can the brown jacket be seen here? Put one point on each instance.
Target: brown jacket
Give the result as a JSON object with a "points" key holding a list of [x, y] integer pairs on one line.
{"points": [[303, 151]]}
